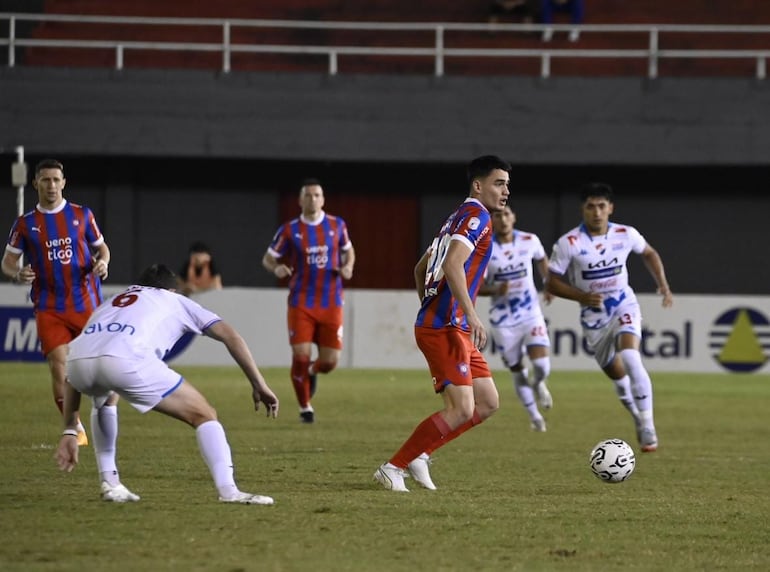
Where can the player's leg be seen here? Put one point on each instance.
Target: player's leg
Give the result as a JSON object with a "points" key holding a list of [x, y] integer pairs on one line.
{"points": [[329, 333], [85, 376], [641, 389], [187, 404], [302, 331]]}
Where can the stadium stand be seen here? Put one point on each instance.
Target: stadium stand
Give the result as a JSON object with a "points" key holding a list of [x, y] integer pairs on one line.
{"points": [[684, 12]]}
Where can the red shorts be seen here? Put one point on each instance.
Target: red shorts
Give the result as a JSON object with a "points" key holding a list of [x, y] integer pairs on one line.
{"points": [[451, 356], [321, 326], [57, 328]]}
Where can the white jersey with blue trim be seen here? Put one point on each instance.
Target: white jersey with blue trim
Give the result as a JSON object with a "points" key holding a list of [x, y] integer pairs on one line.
{"points": [[598, 264], [140, 322], [511, 262]]}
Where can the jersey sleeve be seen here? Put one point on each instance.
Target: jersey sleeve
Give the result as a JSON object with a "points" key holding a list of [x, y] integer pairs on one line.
{"points": [[638, 242], [16, 240], [560, 258], [280, 244], [93, 234], [470, 228], [344, 241], [197, 318]]}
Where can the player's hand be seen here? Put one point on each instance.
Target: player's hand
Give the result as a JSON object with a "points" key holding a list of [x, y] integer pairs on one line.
{"points": [[67, 453], [668, 297], [478, 332], [101, 269], [25, 276], [283, 271], [547, 297], [592, 299], [346, 272], [266, 396]]}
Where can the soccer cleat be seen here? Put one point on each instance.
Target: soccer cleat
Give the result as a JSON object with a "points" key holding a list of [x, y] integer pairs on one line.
{"points": [[307, 416], [538, 425], [391, 477], [248, 498], [543, 395], [419, 468], [648, 440], [118, 493], [82, 438]]}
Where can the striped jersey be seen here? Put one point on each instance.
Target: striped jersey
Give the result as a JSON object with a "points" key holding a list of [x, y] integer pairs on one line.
{"points": [[57, 244], [511, 263], [313, 250], [471, 224]]}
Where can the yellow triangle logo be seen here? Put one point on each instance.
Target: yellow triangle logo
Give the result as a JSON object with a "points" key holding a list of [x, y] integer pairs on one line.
{"points": [[742, 345]]}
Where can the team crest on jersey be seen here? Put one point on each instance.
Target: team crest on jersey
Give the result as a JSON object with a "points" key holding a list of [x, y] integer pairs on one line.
{"points": [[474, 223]]}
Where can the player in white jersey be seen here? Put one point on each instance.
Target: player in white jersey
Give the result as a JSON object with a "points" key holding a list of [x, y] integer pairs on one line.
{"points": [[121, 351], [515, 317], [588, 265]]}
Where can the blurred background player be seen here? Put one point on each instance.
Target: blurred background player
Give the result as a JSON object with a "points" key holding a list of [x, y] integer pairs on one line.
{"points": [[199, 272], [67, 258], [127, 360], [588, 265], [515, 316], [315, 252]]}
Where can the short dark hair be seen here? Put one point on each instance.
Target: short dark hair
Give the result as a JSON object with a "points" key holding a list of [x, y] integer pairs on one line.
{"points": [[602, 190], [483, 166], [199, 246], [310, 181], [48, 164], [158, 276]]}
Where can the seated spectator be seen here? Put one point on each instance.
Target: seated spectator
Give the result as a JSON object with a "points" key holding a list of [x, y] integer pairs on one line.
{"points": [[525, 10], [575, 9], [199, 272]]}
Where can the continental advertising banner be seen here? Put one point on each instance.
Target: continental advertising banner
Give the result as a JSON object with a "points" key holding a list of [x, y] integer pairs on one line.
{"points": [[707, 334]]}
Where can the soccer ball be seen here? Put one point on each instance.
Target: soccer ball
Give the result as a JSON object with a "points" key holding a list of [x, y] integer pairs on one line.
{"points": [[612, 460]]}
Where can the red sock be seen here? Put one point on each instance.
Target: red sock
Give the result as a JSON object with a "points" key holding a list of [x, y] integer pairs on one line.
{"points": [[300, 379], [432, 429], [472, 422]]}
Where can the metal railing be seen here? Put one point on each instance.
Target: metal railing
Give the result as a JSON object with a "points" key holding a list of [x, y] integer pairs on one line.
{"points": [[439, 52]]}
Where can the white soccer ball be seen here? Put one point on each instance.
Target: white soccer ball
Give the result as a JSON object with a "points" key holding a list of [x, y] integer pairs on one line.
{"points": [[612, 460]]}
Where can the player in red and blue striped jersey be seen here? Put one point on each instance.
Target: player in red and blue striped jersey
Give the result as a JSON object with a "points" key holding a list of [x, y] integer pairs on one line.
{"points": [[448, 330], [67, 258], [315, 252]]}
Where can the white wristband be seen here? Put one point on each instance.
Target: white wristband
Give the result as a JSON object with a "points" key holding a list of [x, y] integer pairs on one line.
{"points": [[70, 432]]}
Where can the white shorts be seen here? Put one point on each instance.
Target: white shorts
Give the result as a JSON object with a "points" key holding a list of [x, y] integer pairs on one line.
{"points": [[511, 341], [627, 319], [143, 383]]}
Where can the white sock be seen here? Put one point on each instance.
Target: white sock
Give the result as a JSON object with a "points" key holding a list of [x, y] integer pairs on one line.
{"points": [[541, 367], [641, 385], [215, 450], [104, 429], [623, 390], [526, 393]]}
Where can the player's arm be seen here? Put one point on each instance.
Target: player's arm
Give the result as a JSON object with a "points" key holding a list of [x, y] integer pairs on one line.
{"points": [[420, 270], [102, 264], [236, 345], [273, 266], [348, 261], [542, 270], [654, 265], [454, 270], [10, 264], [67, 452], [558, 286]]}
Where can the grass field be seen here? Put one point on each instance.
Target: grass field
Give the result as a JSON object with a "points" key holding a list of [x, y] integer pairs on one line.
{"points": [[508, 499]]}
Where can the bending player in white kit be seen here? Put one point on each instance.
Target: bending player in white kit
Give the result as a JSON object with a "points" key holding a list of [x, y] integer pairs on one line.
{"points": [[121, 350], [588, 265], [515, 316]]}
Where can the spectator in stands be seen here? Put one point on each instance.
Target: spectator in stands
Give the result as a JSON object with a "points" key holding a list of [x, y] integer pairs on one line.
{"points": [[199, 272], [575, 9], [524, 10]]}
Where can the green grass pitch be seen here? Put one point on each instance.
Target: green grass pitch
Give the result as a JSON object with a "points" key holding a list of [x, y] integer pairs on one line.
{"points": [[508, 499]]}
